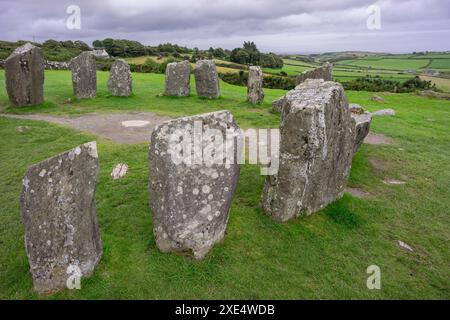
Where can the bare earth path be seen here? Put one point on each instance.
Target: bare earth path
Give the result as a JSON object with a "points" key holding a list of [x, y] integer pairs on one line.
{"points": [[108, 125]]}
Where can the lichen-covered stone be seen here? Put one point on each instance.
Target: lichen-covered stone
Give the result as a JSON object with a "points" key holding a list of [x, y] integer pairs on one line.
{"points": [[178, 76], [356, 108], [59, 215], [206, 79], [361, 128], [120, 81], [324, 72], [24, 76], [277, 105], [316, 150], [190, 202], [84, 75], [384, 112], [255, 92]]}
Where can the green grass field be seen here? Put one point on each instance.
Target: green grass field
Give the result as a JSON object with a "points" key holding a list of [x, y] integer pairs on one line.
{"points": [[322, 256], [393, 64]]}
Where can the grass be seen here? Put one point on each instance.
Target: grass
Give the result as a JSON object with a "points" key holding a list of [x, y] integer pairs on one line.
{"points": [[321, 256], [392, 64]]}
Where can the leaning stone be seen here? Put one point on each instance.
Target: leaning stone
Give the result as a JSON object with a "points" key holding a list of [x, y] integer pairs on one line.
{"points": [[24, 76], [58, 211], [255, 92], [361, 128], [324, 72], [206, 79], [384, 112], [277, 105], [316, 150], [190, 202], [84, 75], [120, 81], [178, 76]]}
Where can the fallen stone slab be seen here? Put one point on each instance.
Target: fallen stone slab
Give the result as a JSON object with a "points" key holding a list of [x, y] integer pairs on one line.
{"points": [[316, 150], [178, 77], [84, 75], [255, 93], [59, 215], [384, 112], [24, 76], [404, 246], [206, 79], [120, 82], [324, 72], [190, 200], [393, 182]]}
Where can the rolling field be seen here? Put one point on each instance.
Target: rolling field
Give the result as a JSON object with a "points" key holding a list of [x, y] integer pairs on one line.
{"points": [[322, 256]]}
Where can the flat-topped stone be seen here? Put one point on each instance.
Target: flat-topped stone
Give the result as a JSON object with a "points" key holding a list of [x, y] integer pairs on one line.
{"points": [[120, 82], [206, 79], [178, 76], [84, 75]]}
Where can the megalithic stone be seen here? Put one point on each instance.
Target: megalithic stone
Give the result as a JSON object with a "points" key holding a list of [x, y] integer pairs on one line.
{"points": [[255, 92], [324, 72], [178, 76], [191, 183], [206, 79], [361, 129], [120, 80], [62, 238], [24, 75], [84, 75], [316, 150]]}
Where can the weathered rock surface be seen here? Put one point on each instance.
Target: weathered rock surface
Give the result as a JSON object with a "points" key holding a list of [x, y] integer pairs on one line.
{"points": [[190, 203], [277, 105], [316, 150], [120, 81], [206, 79], [361, 128], [255, 92], [178, 76], [59, 214], [384, 112], [324, 72], [356, 108], [119, 171], [24, 76], [84, 75]]}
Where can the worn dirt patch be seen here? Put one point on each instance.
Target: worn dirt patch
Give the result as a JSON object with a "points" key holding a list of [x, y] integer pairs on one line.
{"points": [[107, 126], [379, 165], [358, 193], [378, 139]]}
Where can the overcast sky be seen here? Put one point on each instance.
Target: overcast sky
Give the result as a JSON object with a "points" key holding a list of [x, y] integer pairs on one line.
{"points": [[294, 26]]}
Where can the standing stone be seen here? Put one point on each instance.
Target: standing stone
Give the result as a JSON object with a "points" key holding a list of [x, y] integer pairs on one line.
{"points": [[255, 92], [190, 202], [277, 105], [24, 73], [178, 76], [206, 79], [316, 150], [324, 73], [120, 81], [84, 75], [361, 129], [58, 210]]}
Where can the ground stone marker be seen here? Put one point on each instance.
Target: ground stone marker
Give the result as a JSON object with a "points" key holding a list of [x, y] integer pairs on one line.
{"points": [[178, 76], [384, 112], [120, 81], [255, 92], [190, 203], [324, 72], [59, 214], [316, 150], [84, 75], [24, 76], [206, 79]]}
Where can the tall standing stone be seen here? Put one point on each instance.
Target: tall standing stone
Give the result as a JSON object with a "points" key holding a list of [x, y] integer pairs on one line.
{"points": [[324, 72], [206, 79], [120, 81], [255, 92], [58, 210], [84, 75], [24, 73], [316, 150], [190, 200], [178, 76]]}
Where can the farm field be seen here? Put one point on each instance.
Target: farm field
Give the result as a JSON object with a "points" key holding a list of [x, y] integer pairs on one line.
{"points": [[322, 256]]}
